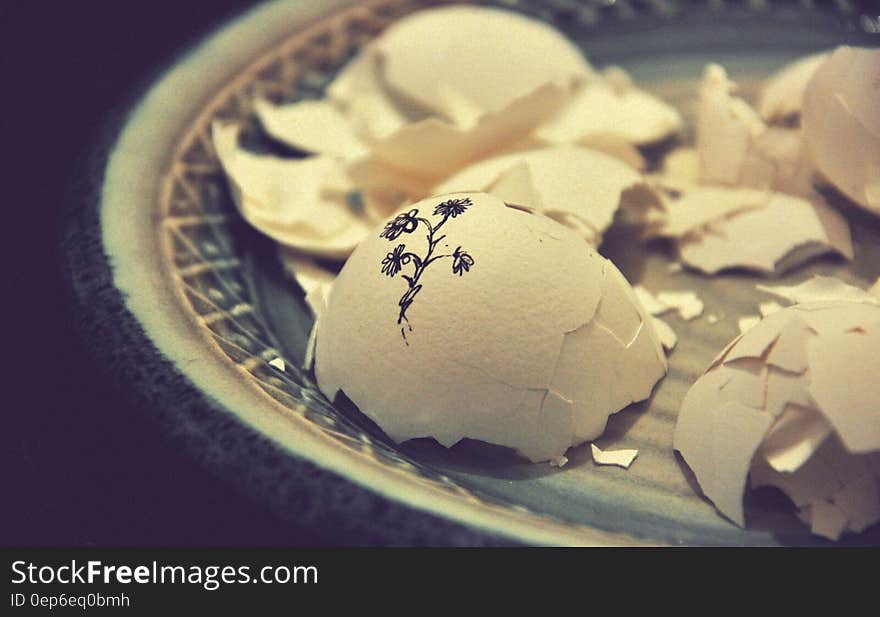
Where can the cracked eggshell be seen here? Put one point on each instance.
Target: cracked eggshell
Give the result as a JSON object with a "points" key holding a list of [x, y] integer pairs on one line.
{"points": [[737, 149], [783, 92], [782, 232], [821, 289], [695, 210], [577, 186], [840, 122], [532, 345], [461, 62], [620, 458], [300, 203], [312, 126], [611, 105], [422, 153], [613, 145], [792, 403], [725, 128], [357, 91]]}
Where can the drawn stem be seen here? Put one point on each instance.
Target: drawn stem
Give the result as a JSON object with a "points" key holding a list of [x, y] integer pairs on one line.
{"points": [[433, 259], [420, 264]]}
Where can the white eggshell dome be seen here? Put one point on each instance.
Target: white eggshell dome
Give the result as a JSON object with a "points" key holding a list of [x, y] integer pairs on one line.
{"points": [[510, 330]]}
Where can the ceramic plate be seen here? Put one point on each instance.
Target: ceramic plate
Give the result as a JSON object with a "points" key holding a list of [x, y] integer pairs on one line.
{"points": [[203, 305]]}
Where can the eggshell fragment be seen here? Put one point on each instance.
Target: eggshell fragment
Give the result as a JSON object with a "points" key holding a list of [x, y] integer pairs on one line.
{"points": [[316, 298], [612, 105], [439, 58], [783, 92], [845, 405], [515, 332], [300, 203], [306, 271], [359, 93], [801, 384], [313, 126], [432, 149], [747, 322], [766, 308], [682, 163], [826, 519], [620, 458], [577, 186], [650, 302], [725, 127], [820, 289], [765, 232], [687, 303], [614, 145], [698, 208], [665, 333], [794, 438], [841, 123], [736, 148]]}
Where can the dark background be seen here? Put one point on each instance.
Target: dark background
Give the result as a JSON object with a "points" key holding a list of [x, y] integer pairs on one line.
{"points": [[78, 466]]}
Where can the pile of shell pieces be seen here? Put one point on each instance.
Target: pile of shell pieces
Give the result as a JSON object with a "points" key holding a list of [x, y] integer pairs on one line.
{"points": [[471, 99]]}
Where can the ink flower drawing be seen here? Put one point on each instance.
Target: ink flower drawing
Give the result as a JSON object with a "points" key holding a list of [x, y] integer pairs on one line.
{"points": [[394, 262]]}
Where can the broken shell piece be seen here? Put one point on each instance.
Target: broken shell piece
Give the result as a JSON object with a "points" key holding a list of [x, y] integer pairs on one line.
{"points": [[650, 302], [305, 270], [682, 165], [693, 212], [441, 325], [783, 92], [791, 402], [615, 146], [432, 149], [300, 203], [687, 303], [667, 335], [462, 62], [315, 280], [560, 462], [737, 149], [358, 92], [726, 126], [317, 127], [621, 458], [316, 298], [579, 187], [747, 322], [612, 105], [841, 123], [820, 289], [768, 308], [764, 232]]}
